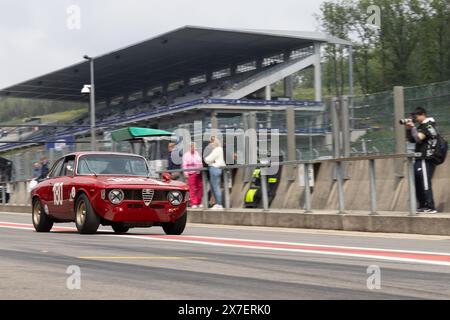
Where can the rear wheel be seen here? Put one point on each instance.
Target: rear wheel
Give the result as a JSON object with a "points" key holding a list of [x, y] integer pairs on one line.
{"points": [[87, 221], [175, 228], [119, 227], [41, 221]]}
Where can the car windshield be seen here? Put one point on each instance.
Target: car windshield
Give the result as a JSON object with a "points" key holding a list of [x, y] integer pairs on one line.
{"points": [[122, 165]]}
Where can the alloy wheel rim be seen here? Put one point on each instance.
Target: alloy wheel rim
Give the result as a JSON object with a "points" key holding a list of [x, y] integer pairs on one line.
{"points": [[81, 213], [37, 214]]}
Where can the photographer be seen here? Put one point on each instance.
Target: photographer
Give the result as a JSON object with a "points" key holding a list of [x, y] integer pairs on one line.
{"points": [[425, 137]]}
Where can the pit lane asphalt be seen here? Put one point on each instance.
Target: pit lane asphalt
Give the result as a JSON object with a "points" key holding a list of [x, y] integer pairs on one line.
{"points": [[33, 265]]}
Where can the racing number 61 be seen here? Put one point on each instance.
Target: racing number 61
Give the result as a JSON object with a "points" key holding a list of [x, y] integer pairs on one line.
{"points": [[57, 193]]}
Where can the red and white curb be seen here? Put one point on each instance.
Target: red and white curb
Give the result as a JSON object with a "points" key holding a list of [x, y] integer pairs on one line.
{"points": [[422, 257]]}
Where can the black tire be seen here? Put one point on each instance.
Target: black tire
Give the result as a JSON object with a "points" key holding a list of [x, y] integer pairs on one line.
{"points": [[118, 227], [41, 221], [175, 228], [86, 220]]}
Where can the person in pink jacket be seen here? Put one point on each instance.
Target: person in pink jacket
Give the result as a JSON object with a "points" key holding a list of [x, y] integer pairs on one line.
{"points": [[193, 160]]}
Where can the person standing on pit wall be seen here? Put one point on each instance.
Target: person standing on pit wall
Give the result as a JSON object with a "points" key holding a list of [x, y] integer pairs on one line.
{"points": [[216, 162], [44, 169], [425, 138], [193, 160]]}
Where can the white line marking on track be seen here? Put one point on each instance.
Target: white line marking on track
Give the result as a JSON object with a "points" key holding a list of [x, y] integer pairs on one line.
{"points": [[301, 231], [420, 257], [323, 232]]}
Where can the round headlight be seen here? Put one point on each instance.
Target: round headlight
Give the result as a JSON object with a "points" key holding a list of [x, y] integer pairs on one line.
{"points": [[175, 198], [116, 196]]}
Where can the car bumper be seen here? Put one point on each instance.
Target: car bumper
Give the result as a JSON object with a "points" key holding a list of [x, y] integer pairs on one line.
{"points": [[137, 211]]}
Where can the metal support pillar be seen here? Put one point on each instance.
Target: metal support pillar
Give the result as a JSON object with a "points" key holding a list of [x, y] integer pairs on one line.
{"points": [[412, 187], [345, 119], [400, 134], [92, 105], [291, 143], [317, 72], [264, 190], [226, 189], [205, 191], [335, 128], [373, 188], [214, 124], [268, 93], [307, 189], [340, 187], [288, 83]]}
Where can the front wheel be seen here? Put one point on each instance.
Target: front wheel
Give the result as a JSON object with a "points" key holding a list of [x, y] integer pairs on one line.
{"points": [[87, 221], [41, 221], [175, 228]]}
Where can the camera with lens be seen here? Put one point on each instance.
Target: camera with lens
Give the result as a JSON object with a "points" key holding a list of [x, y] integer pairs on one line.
{"points": [[404, 122]]}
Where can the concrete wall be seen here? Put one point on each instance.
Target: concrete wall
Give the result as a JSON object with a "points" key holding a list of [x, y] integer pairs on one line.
{"points": [[289, 193], [392, 190]]}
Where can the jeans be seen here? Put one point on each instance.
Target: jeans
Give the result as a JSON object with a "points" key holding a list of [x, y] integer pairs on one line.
{"points": [[215, 176]]}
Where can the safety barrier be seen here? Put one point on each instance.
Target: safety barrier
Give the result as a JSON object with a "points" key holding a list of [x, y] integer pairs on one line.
{"points": [[339, 177]]}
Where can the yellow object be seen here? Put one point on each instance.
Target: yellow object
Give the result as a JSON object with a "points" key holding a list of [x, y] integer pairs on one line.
{"points": [[250, 196], [273, 180], [256, 173]]}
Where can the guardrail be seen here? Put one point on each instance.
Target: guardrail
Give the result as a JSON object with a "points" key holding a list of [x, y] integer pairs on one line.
{"points": [[410, 157]]}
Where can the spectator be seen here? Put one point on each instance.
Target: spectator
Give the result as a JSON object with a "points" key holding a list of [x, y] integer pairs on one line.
{"points": [[171, 164], [44, 168], [425, 137], [36, 170], [216, 162], [193, 160]]}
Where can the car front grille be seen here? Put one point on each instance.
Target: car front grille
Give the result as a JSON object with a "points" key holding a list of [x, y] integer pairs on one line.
{"points": [[140, 195], [137, 195], [147, 196]]}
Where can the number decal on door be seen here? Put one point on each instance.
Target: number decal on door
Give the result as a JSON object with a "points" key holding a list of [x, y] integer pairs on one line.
{"points": [[58, 194]]}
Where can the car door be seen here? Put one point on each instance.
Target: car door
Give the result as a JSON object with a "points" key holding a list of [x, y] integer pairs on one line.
{"points": [[67, 181], [62, 185], [48, 190]]}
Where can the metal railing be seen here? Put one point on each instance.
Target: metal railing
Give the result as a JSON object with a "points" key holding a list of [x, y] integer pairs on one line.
{"points": [[339, 177]]}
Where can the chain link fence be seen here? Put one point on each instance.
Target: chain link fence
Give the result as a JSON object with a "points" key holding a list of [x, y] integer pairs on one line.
{"points": [[372, 116]]}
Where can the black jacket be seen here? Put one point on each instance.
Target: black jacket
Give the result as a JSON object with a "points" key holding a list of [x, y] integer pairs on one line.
{"points": [[427, 146]]}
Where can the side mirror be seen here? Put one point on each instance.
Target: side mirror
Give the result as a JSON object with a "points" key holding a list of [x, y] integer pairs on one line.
{"points": [[166, 177]]}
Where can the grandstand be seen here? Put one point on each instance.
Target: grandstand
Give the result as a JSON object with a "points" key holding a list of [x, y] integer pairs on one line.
{"points": [[221, 77]]}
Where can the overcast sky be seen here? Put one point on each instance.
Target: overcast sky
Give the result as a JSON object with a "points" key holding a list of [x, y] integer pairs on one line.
{"points": [[35, 37]]}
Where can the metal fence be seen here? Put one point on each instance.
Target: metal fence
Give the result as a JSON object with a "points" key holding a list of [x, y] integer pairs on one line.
{"points": [[339, 176], [373, 115]]}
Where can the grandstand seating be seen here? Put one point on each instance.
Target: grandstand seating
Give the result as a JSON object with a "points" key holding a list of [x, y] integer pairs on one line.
{"points": [[182, 98]]}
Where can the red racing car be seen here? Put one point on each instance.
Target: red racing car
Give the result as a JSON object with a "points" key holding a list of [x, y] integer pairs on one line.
{"points": [[115, 189]]}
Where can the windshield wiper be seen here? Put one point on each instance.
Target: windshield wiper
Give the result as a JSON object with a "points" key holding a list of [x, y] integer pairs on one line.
{"points": [[92, 171]]}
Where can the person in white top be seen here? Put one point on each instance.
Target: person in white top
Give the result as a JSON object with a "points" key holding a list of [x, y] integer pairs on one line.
{"points": [[216, 162]]}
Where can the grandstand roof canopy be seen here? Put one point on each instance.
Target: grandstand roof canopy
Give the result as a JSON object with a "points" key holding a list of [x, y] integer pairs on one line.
{"points": [[187, 51]]}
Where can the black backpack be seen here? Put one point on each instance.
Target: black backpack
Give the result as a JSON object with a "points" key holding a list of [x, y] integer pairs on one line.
{"points": [[440, 151]]}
